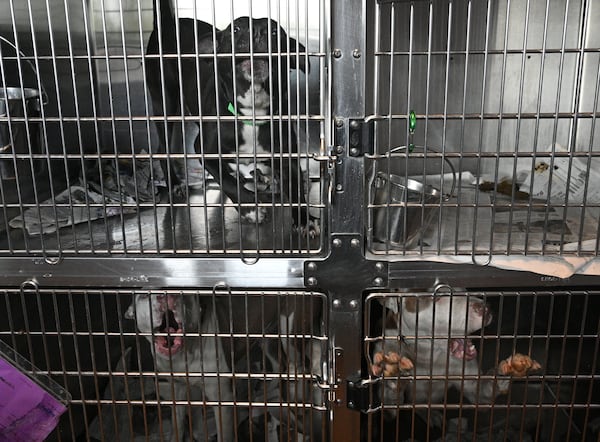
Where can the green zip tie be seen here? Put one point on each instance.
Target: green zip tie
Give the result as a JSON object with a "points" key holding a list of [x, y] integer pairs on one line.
{"points": [[412, 124]]}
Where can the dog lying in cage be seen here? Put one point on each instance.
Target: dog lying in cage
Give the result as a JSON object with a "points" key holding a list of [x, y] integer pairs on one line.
{"points": [[428, 335], [194, 349], [254, 159]]}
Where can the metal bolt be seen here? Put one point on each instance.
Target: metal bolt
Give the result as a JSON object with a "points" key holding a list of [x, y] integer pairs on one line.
{"points": [[356, 53], [311, 266], [355, 243], [378, 282], [311, 281], [354, 124], [380, 267], [337, 303], [339, 149], [350, 404], [337, 53], [339, 122], [354, 152], [339, 187], [337, 242], [354, 304]]}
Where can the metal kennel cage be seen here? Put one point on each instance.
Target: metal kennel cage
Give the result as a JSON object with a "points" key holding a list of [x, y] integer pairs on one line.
{"points": [[105, 362], [559, 402], [433, 151], [93, 183], [501, 97]]}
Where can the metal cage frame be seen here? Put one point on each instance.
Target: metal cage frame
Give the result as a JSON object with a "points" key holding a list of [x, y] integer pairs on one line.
{"points": [[357, 122]]}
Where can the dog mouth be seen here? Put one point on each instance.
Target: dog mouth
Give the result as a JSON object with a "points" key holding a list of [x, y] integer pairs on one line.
{"points": [[167, 343], [255, 69], [462, 349]]}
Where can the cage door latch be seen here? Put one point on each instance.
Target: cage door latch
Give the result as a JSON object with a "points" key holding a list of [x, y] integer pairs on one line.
{"points": [[358, 392], [359, 395]]}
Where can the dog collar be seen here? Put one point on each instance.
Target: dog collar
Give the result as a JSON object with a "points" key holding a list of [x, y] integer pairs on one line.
{"points": [[231, 109]]}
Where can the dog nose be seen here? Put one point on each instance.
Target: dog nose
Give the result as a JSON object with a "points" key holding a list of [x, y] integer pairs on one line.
{"points": [[259, 33]]}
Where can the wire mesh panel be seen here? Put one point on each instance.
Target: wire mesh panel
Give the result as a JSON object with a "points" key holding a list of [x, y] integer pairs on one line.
{"points": [[485, 121], [177, 365], [130, 127], [454, 365]]}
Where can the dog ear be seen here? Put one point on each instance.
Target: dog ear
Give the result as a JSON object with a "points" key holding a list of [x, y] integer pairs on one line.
{"points": [[392, 303], [414, 304], [129, 313], [298, 61], [411, 304], [210, 43]]}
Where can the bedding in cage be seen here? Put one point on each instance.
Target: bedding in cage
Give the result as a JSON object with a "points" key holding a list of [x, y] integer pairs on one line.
{"points": [[436, 395]]}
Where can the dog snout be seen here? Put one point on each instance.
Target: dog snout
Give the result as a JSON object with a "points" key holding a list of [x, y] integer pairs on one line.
{"points": [[259, 34]]}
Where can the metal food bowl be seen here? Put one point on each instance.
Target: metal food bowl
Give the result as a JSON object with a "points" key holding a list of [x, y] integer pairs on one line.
{"points": [[17, 135], [403, 207]]}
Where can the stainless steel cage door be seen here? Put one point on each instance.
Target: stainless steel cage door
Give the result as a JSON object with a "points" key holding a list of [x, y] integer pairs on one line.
{"points": [[128, 127]]}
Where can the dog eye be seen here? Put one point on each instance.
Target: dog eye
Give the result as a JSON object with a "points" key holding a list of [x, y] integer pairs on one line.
{"points": [[236, 29], [274, 32]]}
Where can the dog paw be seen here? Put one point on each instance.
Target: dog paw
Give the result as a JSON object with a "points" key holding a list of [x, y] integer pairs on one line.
{"points": [[179, 193], [390, 364], [313, 229], [254, 216], [518, 365]]}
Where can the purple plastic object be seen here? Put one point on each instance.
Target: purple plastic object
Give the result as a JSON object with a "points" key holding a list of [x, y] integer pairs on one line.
{"points": [[28, 412]]}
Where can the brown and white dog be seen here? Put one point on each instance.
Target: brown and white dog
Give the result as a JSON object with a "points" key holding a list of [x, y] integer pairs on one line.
{"points": [[432, 338]]}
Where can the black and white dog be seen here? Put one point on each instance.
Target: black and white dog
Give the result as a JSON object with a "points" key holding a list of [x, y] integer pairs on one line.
{"points": [[254, 158], [433, 333]]}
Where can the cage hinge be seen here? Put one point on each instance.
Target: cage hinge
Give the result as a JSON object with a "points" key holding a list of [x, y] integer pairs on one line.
{"points": [[360, 137], [359, 395]]}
